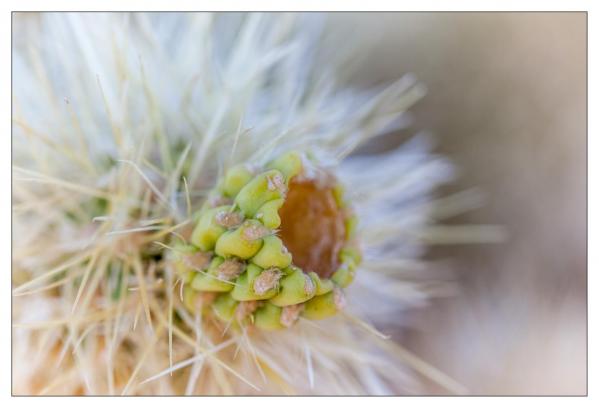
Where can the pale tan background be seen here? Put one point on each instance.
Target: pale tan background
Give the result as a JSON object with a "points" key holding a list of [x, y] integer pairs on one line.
{"points": [[507, 102]]}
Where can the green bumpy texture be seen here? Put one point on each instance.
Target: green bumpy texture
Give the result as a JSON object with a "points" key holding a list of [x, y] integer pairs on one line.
{"points": [[259, 268]]}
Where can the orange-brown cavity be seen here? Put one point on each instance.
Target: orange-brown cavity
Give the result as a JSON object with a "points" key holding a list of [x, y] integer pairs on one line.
{"points": [[312, 227]]}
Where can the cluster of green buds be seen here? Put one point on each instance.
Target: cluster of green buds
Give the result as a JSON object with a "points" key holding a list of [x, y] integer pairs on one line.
{"points": [[270, 245]]}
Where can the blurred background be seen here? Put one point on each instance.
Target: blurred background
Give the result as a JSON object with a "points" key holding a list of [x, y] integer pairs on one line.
{"points": [[507, 103]]}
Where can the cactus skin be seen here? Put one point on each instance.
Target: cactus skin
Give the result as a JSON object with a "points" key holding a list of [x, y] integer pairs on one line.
{"points": [[290, 164], [224, 307], [296, 287], [207, 231], [189, 297], [344, 275], [268, 317], [267, 186], [268, 214], [244, 287], [176, 256], [351, 254], [351, 226], [322, 285], [321, 307], [272, 254], [235, 179], [209, 281], [242, 242], [239, 268]]}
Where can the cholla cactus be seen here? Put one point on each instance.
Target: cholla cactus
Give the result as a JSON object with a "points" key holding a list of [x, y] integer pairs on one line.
{"points": [[129, 130]]}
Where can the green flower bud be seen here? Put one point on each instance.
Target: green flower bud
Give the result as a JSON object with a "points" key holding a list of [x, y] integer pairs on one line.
{"points": [[208, 230], [209, 280], [272, 254], [351, 254], [323, 306], [296, 287], [177, 259], [338, 194], [224, 307], [268, 214], [322, 285], [268, 317], [244, 242], [235, 179], [244, 287], [351, 225], [189, 298], [267, 186], [344, 275], [290, 164]]}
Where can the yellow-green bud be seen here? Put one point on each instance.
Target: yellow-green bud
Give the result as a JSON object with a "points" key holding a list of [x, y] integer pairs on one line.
{"points": [[189, 298], [322, 285], [323, 306], [296, 287], [209, 281], [224, 307], [351, 225], [243, 242], [272, 254], [290, 164], [338, 194], [268, 317], [267, 186], [268, 214], [244, 286], [350, 254], [177, 258], [208, 230], [344, 275], [235, 179]]}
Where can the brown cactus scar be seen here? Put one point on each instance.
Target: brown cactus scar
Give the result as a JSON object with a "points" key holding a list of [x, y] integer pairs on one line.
{"points": [[312, 226]]}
